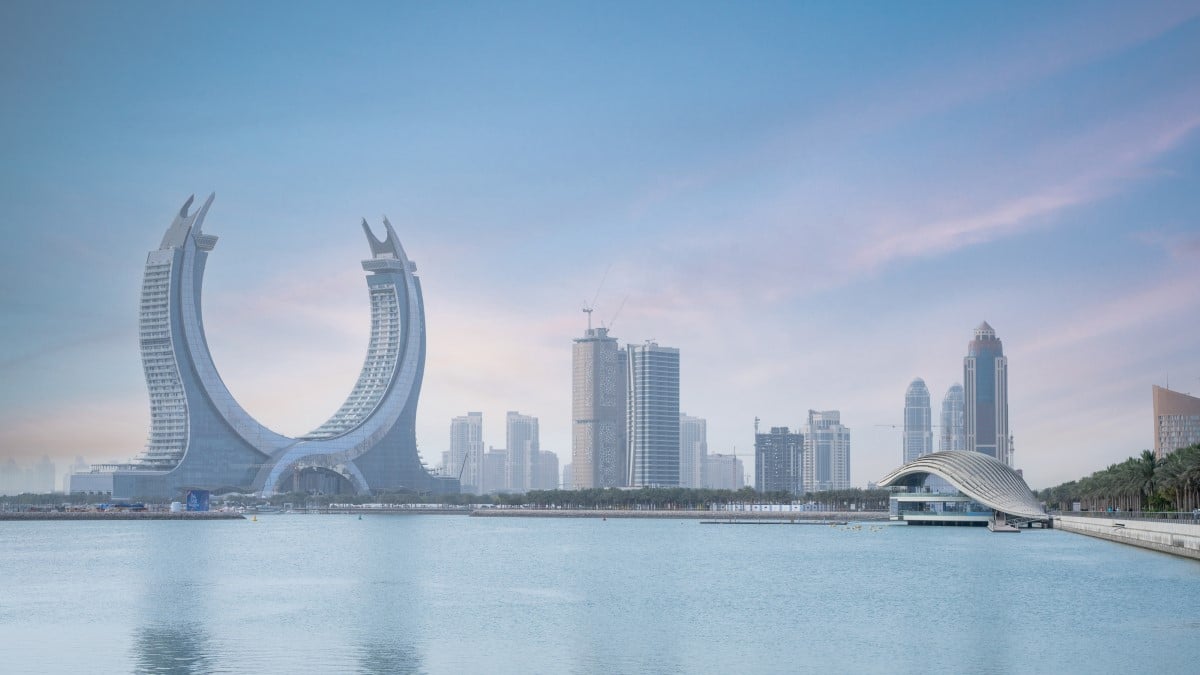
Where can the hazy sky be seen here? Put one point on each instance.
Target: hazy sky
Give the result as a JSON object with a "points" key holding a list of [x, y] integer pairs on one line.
{"points": [[814, 202]]}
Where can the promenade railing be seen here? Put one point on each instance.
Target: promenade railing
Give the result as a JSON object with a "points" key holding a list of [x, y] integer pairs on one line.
{"points": [[1182, 516]]}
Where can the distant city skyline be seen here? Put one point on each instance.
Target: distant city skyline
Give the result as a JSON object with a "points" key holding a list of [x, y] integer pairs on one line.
{"points": [[665, 165]]}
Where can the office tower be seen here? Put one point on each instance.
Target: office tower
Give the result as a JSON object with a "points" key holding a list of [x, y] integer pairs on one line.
{"points": [[523, 451], [693, 447], [985, 395], [653, 415], [779, 461], [200, 437], [826, 452], [567, 477], [918, 422], [466, 451], [1176, 420], [495, 471], [952, 436], [598, 436], [724, 472], [547, 471]]}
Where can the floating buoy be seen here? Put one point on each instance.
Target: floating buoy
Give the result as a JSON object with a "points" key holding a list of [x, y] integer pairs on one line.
{"points": [[254, 519]]}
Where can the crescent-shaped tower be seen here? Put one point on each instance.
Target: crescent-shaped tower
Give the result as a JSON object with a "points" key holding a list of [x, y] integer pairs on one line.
{"points": [[201, 438]]}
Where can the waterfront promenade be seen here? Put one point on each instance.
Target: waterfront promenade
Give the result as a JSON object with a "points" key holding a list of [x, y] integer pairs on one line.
{"points": [[1177, 537]]}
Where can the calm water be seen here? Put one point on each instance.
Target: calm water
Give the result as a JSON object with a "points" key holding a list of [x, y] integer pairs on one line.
{"points": [[451, 594]]}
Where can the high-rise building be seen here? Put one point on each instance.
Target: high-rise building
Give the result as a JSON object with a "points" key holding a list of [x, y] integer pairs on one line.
{"points": [[985, 394], [547, 471], [779, 461], [466, 451], [523, 451], [826, 452], [598, 389], [952, 436], [1176, 420], [918, 422], [653, 415], [200, 437], [568, 476], [724, 472], [495, 471], [693, 447]]}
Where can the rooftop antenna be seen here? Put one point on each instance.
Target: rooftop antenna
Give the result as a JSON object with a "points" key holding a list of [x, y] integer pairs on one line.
{"points": [[588, 310]]}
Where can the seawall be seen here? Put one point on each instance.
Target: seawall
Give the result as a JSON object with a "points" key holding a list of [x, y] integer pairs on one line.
{"points": [[121, 515], [1177, 538], [682, 514]]}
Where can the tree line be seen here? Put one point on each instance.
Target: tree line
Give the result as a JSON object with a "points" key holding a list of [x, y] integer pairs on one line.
{"points": [[1141, 483]]}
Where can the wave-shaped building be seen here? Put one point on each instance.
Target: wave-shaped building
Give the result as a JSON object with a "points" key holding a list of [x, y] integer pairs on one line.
{"points": [[201, 438]]}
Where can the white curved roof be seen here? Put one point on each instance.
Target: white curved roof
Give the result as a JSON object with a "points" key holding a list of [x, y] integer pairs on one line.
{"points": [[980, 477]]}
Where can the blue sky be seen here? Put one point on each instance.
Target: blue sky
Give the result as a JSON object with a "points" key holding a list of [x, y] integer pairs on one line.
{"points": [[815, 202]]}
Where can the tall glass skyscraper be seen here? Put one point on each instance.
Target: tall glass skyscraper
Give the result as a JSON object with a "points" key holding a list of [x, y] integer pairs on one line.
{"points": [[952, 437], [985, 389], [466, 451], [653, 415], [598, 438], [524, 453], [918, 421], [826, 452], [693, 449]]}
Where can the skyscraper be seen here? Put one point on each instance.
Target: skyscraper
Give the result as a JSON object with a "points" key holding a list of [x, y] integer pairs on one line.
{"points": [[693, 448], [495, 471], [724, 472], [653, 415], [952, 436], [1176, 420], [778, 461], [598, 390], [826, 452], [547, 471], [523, 451], [985, 393], [200, 437], [918, 429], [466, 451]]}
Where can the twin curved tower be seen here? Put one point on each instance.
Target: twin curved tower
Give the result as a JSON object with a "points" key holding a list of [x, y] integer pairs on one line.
{"points": [[201, 438]]}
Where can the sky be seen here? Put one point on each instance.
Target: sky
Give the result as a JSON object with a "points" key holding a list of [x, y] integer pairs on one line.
{"points": [[815, 202]]}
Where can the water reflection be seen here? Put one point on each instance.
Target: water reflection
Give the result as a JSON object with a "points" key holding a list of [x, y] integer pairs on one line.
{"points": [[180, 648], [171, 636], [388, 596]]}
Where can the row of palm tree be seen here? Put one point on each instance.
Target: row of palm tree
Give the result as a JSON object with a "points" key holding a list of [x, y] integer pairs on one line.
{"points": [[1141, 483]]}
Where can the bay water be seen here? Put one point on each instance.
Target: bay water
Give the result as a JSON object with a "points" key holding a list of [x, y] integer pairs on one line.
{"points": [[454, 594]]}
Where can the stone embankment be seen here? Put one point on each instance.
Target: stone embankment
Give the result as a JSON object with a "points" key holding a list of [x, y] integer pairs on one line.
{"points": [[681, 514], [1178, 538], [121, 515]]}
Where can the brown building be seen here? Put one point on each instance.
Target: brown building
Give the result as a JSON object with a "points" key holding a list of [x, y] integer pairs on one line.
{"points": [[1176, 420]]}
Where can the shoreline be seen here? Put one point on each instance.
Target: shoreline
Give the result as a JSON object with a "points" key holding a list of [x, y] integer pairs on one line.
{"points": [[684, 514], [119, 515]]}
